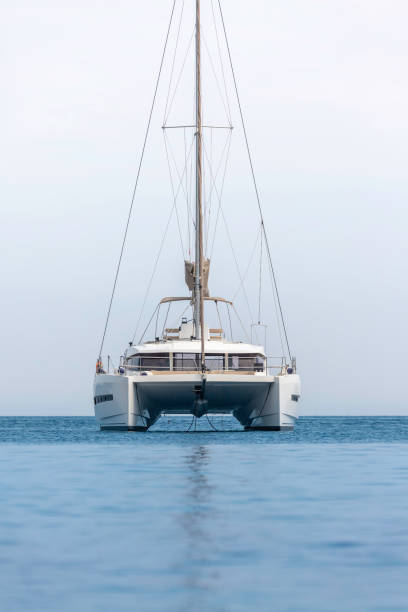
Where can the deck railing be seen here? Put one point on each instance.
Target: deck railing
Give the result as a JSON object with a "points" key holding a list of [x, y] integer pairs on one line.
{"points": [[272, 366]]}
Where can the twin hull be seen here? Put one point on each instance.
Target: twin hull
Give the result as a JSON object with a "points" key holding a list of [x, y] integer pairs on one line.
{"points": [[136, 402]]}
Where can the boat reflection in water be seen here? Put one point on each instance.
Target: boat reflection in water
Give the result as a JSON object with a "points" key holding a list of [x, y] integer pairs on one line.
{"points": [[198, 524]]}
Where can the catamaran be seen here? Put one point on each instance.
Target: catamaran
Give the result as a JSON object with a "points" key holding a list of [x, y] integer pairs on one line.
{"points": [[193, 368]]}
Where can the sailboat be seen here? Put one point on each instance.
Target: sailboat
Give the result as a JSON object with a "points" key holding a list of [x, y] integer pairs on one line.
{"points": [[193, 368]]}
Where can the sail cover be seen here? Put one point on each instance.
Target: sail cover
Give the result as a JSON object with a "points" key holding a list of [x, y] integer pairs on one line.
{"points": [[189, 271]]}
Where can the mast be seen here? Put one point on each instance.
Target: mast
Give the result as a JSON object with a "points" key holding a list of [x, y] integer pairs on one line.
{"points": [[198, 269]]}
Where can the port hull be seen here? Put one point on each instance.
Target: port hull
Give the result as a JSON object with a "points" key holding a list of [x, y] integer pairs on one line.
{"points": [[134, 403]]}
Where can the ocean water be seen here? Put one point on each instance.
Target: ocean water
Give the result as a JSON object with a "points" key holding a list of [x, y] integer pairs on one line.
{"points": [[315, 519]]}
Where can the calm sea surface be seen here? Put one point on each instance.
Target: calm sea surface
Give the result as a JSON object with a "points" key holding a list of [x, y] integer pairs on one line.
{"points": [[315, 519]]}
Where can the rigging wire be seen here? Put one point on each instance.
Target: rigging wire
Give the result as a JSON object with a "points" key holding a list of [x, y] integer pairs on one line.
{"points": [[264, 404], [218, 313], [277, 316], [219, 196], [225, 151], [153, 272], [174, 194], [204, 200], [179, 76], [230, 324], [259, 232], [260, 283], [147, 326], [216, 79], [174, 61], [137, 178], [191, 193], [190, 199], [189, 427], [253, 177], [187, 197], [160, 249], [210, 195], [239, 271], [178, 173], [228, 144], [240, 322], [221, 62], [157, 322], [209, 422], [165, 320]]}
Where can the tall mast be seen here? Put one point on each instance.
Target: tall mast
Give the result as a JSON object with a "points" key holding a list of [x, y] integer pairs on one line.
{"points": [[198, 270]]}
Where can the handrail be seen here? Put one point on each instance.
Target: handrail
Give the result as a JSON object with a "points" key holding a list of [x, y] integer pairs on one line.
{"points": [[142, 368], [282, 366]]}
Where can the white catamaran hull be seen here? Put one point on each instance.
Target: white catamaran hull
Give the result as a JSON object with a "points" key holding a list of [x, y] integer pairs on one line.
{"points": [[136, 402]]}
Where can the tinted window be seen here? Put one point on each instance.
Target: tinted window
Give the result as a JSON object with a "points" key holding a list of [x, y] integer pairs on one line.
{"points": [[214, 362], [102, 398], [133, 361], [157, 361], [185, 361], [250, 363]]}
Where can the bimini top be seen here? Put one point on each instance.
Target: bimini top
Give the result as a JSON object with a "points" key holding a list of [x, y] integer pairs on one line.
{"points": [[194, 346]]}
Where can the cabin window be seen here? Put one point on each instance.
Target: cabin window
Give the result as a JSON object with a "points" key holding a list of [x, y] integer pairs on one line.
{"points": [[133, 362], [249, 363], [102, 398], [186, 361], [151, 361], [214, 362], [192, 361]]}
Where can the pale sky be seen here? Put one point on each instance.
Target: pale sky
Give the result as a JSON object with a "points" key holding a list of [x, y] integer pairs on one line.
{"points": [[324, 89]]}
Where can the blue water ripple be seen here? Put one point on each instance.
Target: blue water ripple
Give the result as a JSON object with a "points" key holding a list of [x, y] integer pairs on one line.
{"points": [[228, 521]]}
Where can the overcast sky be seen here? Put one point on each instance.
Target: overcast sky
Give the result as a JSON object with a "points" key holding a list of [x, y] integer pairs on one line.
{"points": [[325, 94]]}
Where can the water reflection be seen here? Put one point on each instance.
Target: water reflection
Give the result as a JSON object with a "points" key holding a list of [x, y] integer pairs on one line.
{"points": [[198, 492], [198, 521]]}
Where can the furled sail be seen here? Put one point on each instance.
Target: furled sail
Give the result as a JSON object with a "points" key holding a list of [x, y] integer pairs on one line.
{"points": [[189, 272]]}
